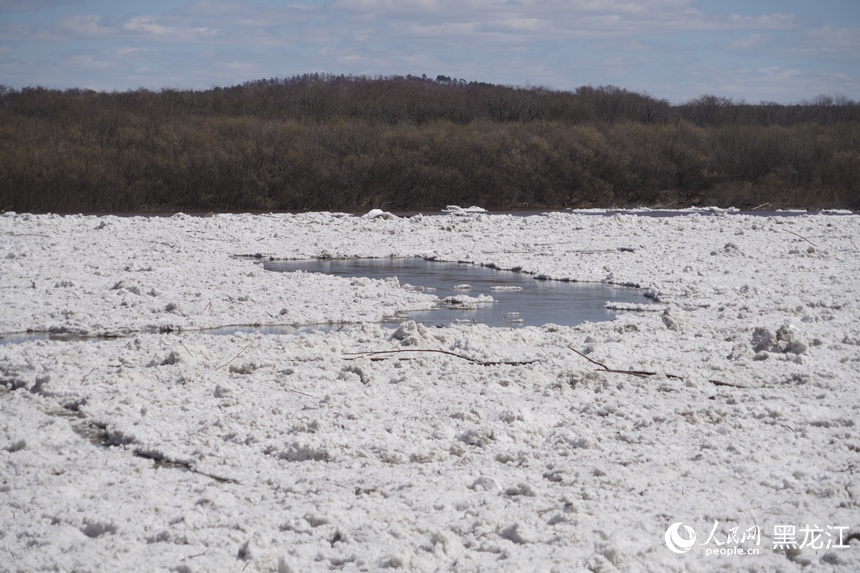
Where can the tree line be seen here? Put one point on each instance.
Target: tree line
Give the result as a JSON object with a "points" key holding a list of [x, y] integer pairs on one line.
{"points": [[325, 142]]}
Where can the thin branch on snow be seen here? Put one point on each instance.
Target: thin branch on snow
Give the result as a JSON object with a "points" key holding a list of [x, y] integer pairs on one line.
{"points": [[378, 355], [237, 356], [186, 349], [158, 458], [802, 237], [637, 373], [646, 373], [721, 383], [299, 392]]}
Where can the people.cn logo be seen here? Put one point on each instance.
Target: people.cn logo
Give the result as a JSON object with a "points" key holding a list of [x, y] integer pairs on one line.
{"points": [[676, 542]]}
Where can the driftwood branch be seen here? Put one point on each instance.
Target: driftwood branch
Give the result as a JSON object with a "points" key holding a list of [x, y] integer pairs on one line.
{"points": [[163, 461], [381, 355], [300, 392], [646, 373], [87, 375], [235, 357], [802, 237], [186, 349], [637, 373], [721, 383]]}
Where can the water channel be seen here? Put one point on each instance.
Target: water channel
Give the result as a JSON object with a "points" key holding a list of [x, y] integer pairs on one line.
{"points": [[518, 299]]}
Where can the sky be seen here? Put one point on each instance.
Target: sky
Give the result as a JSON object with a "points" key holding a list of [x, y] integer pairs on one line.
{"points": [[784, 51]]}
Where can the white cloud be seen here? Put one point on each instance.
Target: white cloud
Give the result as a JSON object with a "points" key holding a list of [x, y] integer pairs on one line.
{"points": [[85, 26], [15, 32], [830, 42], [394, 6], [130, 52], [519, 24], [776, 21], [470, 22], [441, 30], [88, 62], [775, 72], [243, 69], [751, 42], [32, 5], [629, 7], [151, 26]]}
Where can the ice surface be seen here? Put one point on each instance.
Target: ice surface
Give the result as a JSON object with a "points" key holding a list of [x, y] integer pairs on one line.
{"points": [[504, 450]]}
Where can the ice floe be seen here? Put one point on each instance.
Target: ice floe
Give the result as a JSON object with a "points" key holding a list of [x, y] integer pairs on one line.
{"points": [[731, 412]]}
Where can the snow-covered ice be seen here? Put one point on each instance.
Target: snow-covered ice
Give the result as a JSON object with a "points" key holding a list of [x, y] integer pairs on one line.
{"points": [[528, 449]]}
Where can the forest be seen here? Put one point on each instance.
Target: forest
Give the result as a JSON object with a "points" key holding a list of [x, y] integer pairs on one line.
{"points": [[405, 143]]}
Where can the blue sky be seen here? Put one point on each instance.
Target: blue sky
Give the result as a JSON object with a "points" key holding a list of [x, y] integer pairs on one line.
{"points": [[783, 51]]}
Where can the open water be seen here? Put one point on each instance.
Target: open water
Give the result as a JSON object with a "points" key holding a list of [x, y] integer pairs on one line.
{"points": [[519, 299]]}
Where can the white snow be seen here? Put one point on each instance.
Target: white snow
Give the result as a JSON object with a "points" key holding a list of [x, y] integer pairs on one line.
{"points": [[378, 213], [503, 450], [463, 211]]}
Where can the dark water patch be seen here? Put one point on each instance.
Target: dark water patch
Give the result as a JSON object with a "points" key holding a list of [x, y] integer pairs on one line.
{"points": [[271, 328], [483, 294], [20, 337]]}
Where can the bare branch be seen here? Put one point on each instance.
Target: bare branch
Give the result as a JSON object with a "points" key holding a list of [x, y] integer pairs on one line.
{"points": [[802, 237], [646, 373], [378, 355], [235, 357]]}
